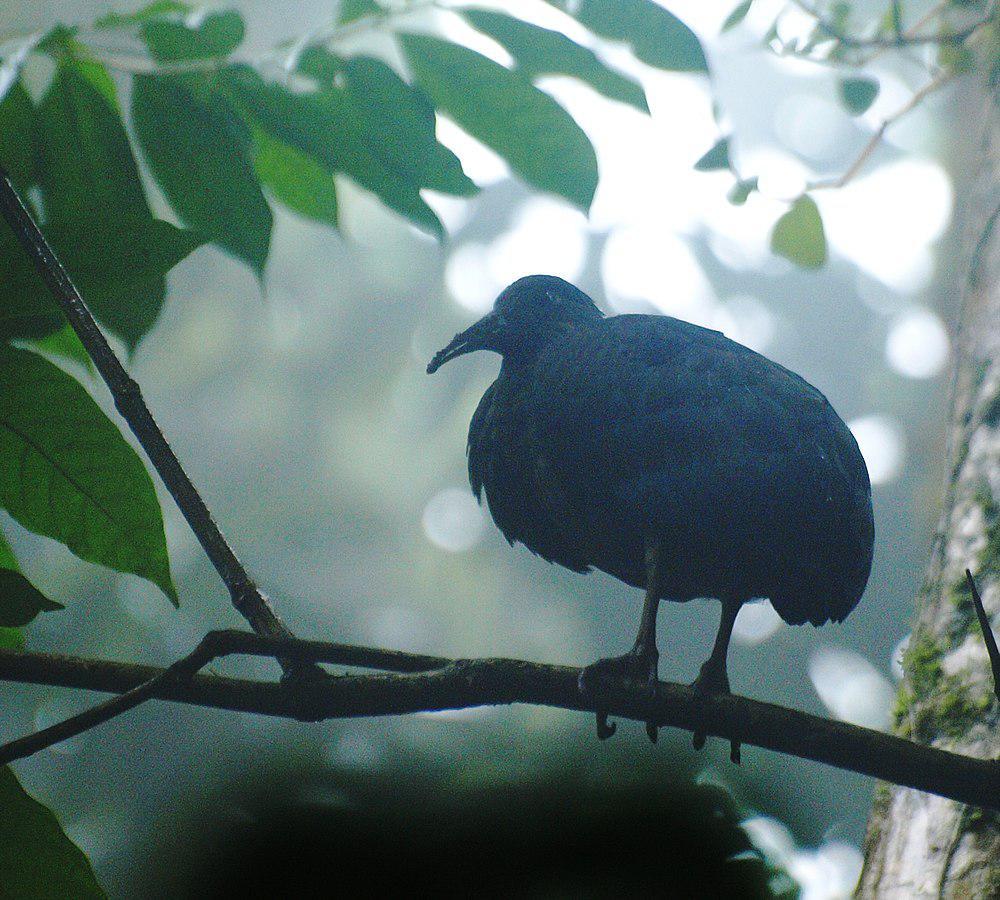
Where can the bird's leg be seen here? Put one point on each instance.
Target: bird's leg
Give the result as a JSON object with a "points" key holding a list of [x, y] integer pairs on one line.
{"points": [[713, 678], [640, 663]]}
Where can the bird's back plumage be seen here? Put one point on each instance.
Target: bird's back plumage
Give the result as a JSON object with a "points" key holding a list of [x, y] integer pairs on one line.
{"points": [[636, 428]]}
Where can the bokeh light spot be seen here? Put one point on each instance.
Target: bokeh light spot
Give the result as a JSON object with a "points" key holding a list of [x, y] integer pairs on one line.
{"points": [[642, 264], [891, 240], [881, 445], [756, 623], [851, 687], [468, 279], [917, 344], [547, 237], [453, 521]]}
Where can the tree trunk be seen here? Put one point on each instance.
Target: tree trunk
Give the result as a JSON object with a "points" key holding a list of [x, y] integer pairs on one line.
{"points": [[920, 845]]}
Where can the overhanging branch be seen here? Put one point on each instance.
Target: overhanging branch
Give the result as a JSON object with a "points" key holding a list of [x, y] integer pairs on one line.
{"points": [[248, 599], [457, 684]]}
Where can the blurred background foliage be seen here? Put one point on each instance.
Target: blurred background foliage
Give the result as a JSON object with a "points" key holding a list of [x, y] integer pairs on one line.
{"points": [[301, 203]]}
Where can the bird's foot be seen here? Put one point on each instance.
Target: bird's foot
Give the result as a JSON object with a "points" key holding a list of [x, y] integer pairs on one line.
{"points": [[637, 665], [713, 679]]}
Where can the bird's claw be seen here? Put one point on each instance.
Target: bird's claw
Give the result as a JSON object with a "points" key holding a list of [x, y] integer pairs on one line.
{"points": [[713, 680], [636, 666]]}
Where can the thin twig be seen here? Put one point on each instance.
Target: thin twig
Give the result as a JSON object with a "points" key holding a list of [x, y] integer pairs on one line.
{"points": [[910, 32], [460, 684], [246, 596], [214, 645], [323, 35], [873, 142], [32, 743], [988, 637], [906, 39]]}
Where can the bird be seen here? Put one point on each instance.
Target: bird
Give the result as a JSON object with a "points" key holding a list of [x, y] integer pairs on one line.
{"points": [[670, 457]]}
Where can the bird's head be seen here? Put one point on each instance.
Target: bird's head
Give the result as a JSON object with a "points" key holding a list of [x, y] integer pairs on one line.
{"points": [[526, 315]]}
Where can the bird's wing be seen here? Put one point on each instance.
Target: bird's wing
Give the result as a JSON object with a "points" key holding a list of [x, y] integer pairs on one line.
{"points": [[502, 466], [653, 424], [481, 441]]}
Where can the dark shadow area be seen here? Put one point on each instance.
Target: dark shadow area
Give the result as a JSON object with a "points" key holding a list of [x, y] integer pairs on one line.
{"points": [[404, 838]]}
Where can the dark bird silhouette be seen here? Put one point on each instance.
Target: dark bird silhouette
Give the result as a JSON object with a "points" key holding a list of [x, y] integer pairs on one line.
{"points": [[669, 456]]}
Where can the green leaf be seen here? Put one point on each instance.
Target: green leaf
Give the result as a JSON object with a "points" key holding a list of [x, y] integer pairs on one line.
{"points": [[504, 110], [957, 58], [122, 274], [840, 15], [716, 158], [657, 37], [352, 10], [96, 208], [200, 153], [393, 118], [398, 119], [66, 344], [197, 36], [119, 268], [322, 66], [857, 94], [66, 472], [37, 860], [297, 180], [740, 192], [17, 137], [10, 638], [798, 235], [155, 10], [20, 600], [88, 173], [7, 560], [327, 127], [538, 51], [738, 14]]}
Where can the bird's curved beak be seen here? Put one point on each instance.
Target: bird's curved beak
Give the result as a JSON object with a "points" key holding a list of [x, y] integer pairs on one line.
{"points": [[484, 335]]}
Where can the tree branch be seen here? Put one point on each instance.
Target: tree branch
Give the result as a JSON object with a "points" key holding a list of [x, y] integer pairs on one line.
{"points": [[425, 684], [873, 142], [899, 38], [248, 599]]}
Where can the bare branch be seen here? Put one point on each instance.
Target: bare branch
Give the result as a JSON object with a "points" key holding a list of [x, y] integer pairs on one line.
{"points": [[458, 684], [212, 646], [246, 596], [988, 637], [909, 38], [852, 171], [26, 746]]}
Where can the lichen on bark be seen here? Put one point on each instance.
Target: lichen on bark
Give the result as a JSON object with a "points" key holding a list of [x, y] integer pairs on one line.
{"points": [[919, 845]]}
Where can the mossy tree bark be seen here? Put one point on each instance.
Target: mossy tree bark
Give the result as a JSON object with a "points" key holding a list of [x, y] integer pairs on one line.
{"points": [[919, 845]]}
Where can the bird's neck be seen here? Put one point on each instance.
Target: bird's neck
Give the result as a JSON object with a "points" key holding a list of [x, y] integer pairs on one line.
{"points": [[522, 350]]}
